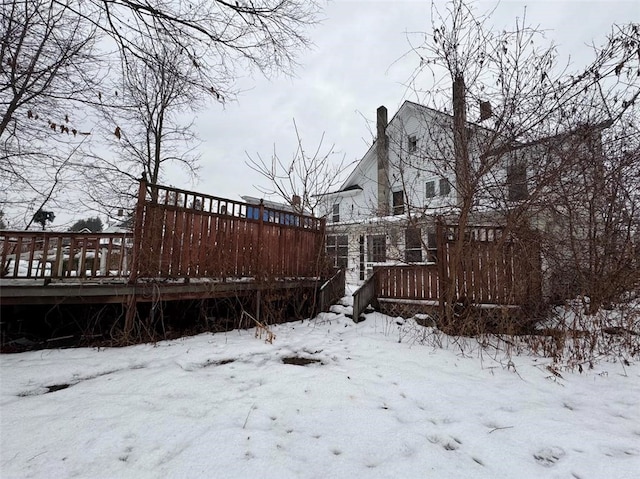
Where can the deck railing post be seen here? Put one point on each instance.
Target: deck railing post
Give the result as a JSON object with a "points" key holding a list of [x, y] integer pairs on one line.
{"points": [[138, 231], [103, 261], [259, 268]]}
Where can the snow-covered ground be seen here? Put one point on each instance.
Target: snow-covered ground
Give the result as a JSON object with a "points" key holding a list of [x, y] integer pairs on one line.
{"points": [[375, 404]]}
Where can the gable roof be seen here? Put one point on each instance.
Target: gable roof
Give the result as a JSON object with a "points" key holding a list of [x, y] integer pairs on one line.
{"points": [[352, 180]]}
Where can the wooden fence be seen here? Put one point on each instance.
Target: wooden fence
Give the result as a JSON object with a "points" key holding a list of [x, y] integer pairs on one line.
{"points": [[47, 254], [494, 268], [180, 233]]}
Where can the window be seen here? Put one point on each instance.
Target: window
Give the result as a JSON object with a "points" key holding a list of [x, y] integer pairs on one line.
{"points": [[335, 217], [517, 181], [398, 202], [413, 245], [445, 187], [412, 144], [377, 248], [430, 189], [338, 250], [432, 247]]}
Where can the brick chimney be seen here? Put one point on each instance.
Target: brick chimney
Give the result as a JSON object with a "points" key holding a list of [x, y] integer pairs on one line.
{"points": [[296, 202], [382, 154]]}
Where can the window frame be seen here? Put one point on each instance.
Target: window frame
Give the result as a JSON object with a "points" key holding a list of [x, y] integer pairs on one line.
{"points": [[444, 182], [397, 208], [413, 244], [431, 182], [337, 250], [412, 143], [377, 248], [335, 213]]}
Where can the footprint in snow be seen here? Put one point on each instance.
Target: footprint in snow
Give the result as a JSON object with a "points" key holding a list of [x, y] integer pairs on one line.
{"points": [[448, 443], [548, 456]]}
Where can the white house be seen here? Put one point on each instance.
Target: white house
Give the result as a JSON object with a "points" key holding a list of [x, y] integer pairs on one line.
{"points": [[385, 210], [380, 214]]}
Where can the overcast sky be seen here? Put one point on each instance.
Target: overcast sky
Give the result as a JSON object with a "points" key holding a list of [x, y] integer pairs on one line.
{"points": [[352, 69]]}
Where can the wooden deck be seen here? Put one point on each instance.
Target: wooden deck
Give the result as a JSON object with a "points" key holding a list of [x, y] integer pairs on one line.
{"points": [[21, 292], [184, 245]]}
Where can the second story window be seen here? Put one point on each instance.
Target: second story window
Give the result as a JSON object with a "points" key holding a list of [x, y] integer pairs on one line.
{"points": [[398, 202], [445, 187], [517, 182], [430, 189], [335, 216]]}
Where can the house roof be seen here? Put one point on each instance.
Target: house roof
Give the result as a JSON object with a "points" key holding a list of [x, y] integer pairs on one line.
{"points": [[252, 200], [353, 179]]}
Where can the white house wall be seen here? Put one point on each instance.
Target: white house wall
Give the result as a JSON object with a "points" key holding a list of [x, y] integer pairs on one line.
{"points": [[412, 170]]}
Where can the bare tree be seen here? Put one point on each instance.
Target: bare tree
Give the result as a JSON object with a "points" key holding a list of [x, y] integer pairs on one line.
{"points": [[50, 65], [216, 36], [532, 110], [144, 127], [46, 53], [305, 179]]}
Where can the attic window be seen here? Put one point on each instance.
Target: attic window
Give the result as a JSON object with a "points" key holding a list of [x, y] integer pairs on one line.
{"points": [[412, 144]]}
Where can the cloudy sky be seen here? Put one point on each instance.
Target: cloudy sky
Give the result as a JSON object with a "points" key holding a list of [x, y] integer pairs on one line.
{"points": [[355, 66]]}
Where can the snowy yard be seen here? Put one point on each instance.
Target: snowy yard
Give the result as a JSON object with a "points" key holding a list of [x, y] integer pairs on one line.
{"points": [[371, 403]]}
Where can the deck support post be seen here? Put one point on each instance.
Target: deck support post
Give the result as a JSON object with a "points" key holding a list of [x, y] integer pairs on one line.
{"points": [[441, 259], [258, 301], [131, 310]]}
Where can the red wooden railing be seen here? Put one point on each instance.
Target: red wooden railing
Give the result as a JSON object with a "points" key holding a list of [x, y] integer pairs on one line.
{"points": [[182, 233], [494, 268], [40, 254], [177, 234], [407, 281]]}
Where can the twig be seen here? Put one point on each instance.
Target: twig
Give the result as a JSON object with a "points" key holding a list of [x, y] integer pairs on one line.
{"points": [[498, 428], [248, 414]]}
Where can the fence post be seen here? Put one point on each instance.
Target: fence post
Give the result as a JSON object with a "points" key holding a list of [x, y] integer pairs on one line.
{"points": [[441, 259], [259, 266]]}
